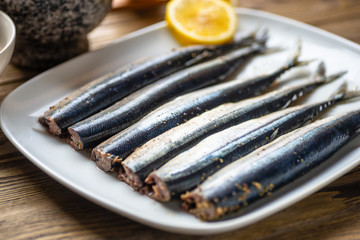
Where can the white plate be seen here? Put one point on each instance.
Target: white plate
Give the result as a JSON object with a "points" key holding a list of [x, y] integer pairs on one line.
{"points": [[23, 106]]}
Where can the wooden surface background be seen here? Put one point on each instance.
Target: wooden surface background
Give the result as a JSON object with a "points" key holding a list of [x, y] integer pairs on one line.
{"points": [[34, 206]]}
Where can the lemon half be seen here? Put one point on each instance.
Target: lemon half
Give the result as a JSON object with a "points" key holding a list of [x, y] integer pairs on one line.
{"points": [[201, 21]]}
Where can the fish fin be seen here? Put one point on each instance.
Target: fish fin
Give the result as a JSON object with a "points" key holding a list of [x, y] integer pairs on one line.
{"points": [[334, 76], [261, 35], [320, 74], [261, 48], [294, 59], [303, 63], [273, 135], [340, 92], [350, 94], [286, 104], [320, 71]]}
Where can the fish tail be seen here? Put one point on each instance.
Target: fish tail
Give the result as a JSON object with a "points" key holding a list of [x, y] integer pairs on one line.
{"points": [[340, 92], [260, 48], [343, 93], [294, 59], [320, 74], [354, 93], [335, 76], [261, 35]]}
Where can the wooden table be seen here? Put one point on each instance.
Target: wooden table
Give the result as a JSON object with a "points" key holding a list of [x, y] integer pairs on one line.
{"points": [[34, 206]]}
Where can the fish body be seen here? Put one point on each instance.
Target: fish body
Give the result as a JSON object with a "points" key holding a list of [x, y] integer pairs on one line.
{"points": [[160, 149], [271, 167], [190, 168], [99, 127], [105, 90]]}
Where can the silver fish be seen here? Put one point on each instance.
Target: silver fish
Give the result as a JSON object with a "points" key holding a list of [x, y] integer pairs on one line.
{"points": [[159, 150], [105, 90], [97, 128], [183, 109], [271, 167], [190, 168]]}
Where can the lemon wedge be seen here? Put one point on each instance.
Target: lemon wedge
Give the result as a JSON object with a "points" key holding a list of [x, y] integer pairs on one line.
{"points": [[201, 21]]}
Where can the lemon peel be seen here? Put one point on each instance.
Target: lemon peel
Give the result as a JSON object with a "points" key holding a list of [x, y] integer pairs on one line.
{"points": [[201, 21]]}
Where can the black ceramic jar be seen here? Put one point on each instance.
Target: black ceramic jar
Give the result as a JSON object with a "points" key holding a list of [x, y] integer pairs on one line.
{"points": [[52, 31]]}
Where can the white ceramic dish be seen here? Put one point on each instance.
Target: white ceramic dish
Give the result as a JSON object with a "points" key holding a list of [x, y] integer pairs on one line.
{"points": [[7, 40], [23, 106]]}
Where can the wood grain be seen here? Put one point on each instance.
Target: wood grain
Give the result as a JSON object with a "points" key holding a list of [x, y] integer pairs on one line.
{"points": [[34, 206]]}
